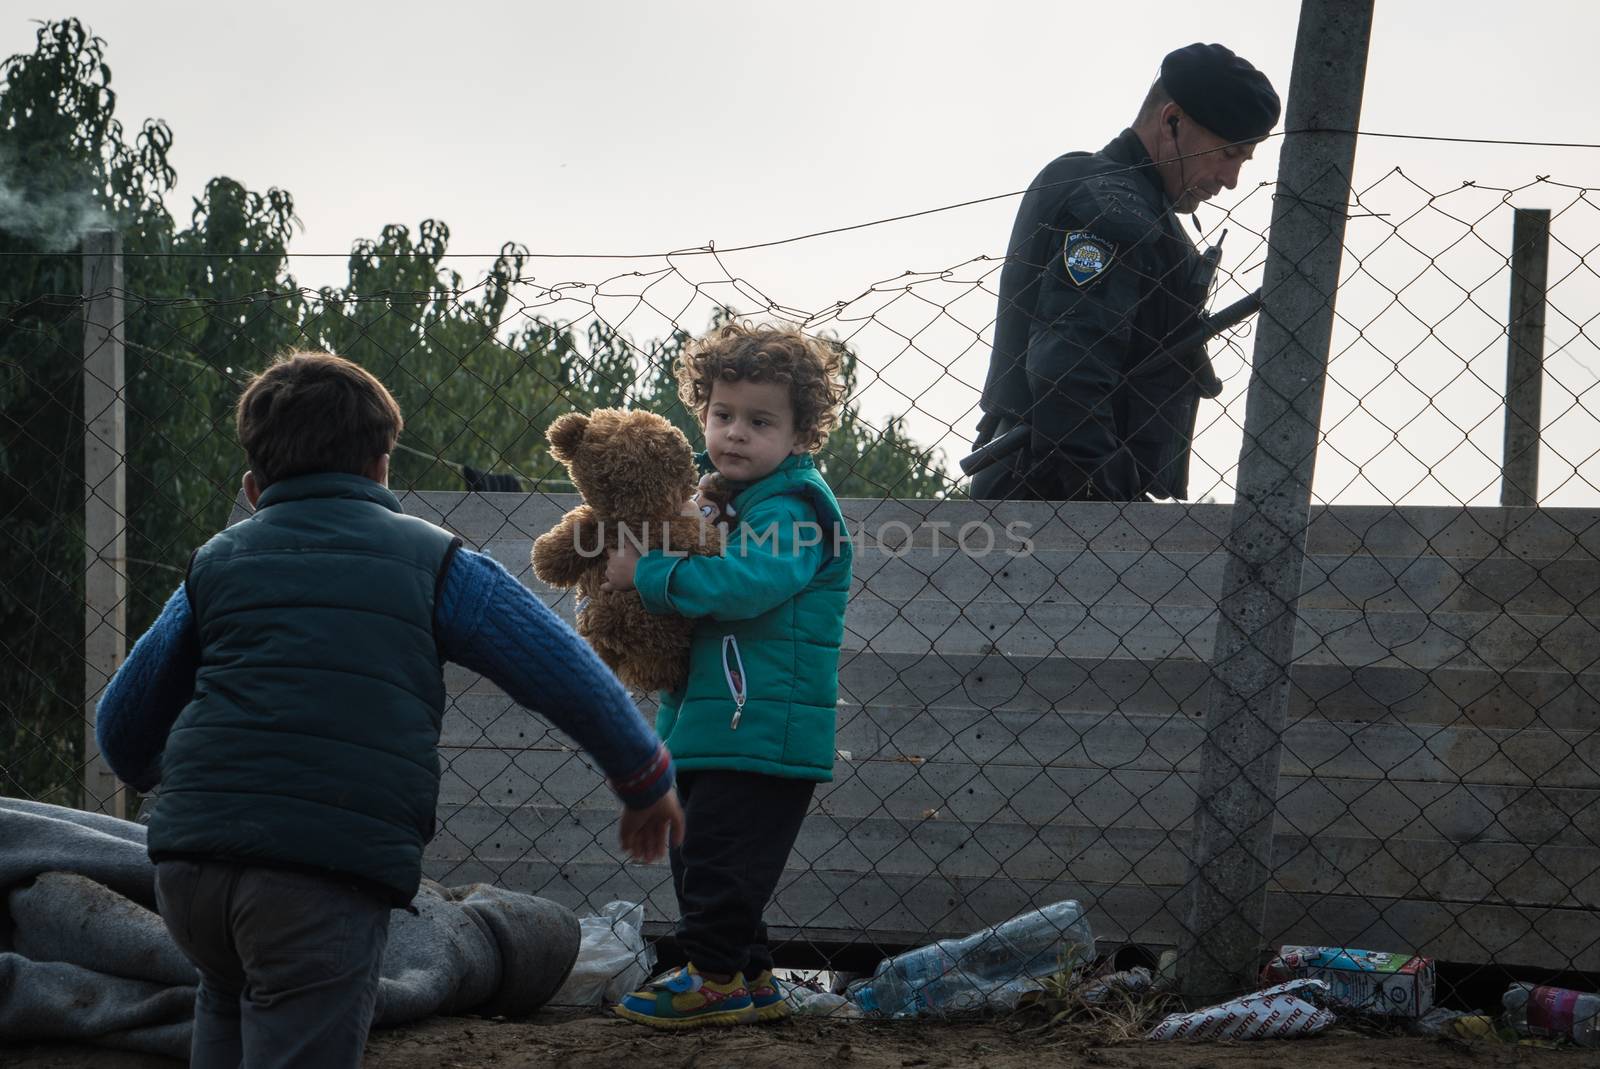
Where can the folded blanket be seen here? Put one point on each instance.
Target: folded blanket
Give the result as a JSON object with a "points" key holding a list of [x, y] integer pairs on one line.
{"points": [[84, 956]]}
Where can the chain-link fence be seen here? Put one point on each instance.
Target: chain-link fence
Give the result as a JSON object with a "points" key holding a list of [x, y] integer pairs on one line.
{"points": [[1024, 685]]}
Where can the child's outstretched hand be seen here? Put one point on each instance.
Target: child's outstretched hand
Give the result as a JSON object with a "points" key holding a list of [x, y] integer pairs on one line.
{"points": [[645, 834]]}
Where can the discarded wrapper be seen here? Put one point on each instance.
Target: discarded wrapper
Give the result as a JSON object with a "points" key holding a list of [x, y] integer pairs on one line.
{"points": [[1128, 982], [1460, 1025], [1280, 1012]]}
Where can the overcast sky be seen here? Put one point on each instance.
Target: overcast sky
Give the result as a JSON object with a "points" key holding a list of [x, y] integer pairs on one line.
{"points": [[638, 127]]}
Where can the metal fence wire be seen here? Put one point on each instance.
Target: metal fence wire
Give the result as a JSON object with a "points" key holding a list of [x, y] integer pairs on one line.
{"points": [[1024, 685]]}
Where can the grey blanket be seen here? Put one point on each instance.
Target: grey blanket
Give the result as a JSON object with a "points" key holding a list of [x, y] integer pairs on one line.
{"points": [[84, 956]]}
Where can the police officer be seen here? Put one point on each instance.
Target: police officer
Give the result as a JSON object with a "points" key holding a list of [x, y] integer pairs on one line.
{"points": [[1099, 274]]}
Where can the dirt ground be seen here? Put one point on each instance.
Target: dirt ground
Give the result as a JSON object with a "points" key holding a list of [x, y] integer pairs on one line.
{"points": [[568, 1041]]}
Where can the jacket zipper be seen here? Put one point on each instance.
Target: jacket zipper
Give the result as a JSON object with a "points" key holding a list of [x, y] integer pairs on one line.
{"points": [[733, 671]]}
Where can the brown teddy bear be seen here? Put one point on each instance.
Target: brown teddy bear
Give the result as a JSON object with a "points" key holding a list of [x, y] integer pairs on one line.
{"points": [[637, 476]]}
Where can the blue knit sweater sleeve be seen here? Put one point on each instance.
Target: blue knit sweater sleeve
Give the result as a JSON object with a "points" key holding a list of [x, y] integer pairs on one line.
{"points": [[487, 621], [144, 698]]}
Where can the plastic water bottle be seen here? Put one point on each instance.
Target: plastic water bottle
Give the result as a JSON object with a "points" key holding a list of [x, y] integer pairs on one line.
{"points": [[1554, 1013], [989, 968]]}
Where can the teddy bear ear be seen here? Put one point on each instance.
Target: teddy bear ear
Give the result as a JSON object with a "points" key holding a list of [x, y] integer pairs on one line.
{"points": [[565, 434]]}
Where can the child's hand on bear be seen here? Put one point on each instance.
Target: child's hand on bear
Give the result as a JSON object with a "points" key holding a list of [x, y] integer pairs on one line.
{"points": [[620, 565], [713, 500]]}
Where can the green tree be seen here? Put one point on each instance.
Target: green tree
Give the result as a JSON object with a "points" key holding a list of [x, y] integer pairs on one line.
{"points": [[68, 165]]}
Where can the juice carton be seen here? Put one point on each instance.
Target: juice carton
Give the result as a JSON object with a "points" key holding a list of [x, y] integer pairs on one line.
{"points": [[1372, 981]]}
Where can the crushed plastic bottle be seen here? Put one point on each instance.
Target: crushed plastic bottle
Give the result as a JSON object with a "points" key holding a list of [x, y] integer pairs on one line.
{"points": [[1553, 1013], [989, 969]]}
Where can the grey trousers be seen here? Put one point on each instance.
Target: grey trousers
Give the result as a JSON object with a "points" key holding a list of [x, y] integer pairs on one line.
{"points": [[288, 963]]}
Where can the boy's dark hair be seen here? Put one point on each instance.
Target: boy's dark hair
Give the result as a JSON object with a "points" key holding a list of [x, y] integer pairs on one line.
{"points": [[741, 352], [313, 412]]}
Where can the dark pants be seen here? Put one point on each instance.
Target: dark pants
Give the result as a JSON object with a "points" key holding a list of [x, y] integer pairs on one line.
{"points": [[288, 963], [741, 827]]}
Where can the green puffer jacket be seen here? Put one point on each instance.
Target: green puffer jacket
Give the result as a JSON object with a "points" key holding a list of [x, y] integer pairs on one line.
{"points": [[764, 664]]}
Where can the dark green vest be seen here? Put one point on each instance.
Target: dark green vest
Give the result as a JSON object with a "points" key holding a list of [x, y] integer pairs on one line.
{"points": [[311, 740]]}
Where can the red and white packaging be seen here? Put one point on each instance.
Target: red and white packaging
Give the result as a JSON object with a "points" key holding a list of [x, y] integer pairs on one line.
{"points": [[1281, 1012]]}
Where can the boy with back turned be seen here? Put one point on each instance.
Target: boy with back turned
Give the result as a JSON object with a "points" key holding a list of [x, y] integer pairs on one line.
{"points": [[289, 700]]}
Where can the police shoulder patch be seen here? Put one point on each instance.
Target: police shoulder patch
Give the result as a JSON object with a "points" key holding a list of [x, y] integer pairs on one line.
{"points": [[1087, 256]]}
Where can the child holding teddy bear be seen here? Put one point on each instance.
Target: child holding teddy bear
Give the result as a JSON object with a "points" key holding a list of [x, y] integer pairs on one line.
{"points": [[752, 731]]}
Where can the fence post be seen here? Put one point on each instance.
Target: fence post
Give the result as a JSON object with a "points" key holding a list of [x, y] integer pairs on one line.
{"points": [[1247, 704], [1530, 269], [105, 577]]}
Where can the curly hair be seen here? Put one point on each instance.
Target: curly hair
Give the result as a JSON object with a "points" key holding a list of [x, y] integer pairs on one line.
{"points": [[741, 352]]}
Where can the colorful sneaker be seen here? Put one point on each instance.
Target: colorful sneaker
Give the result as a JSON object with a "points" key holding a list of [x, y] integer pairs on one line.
{"points": [[766, 995], [683, 998]]}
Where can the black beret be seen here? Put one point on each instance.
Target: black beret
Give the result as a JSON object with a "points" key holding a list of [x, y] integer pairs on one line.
{"points": [[1221, 91]]}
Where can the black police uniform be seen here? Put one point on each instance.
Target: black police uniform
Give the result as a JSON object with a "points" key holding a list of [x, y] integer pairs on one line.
{"points": [[1099, 275]]}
